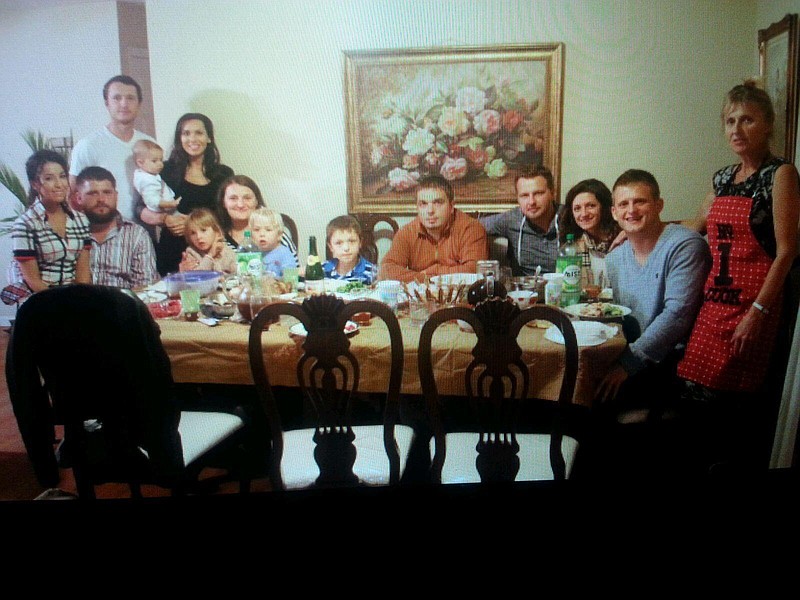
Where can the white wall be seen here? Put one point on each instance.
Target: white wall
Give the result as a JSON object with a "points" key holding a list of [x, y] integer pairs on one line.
{"points": [[55, 61]]}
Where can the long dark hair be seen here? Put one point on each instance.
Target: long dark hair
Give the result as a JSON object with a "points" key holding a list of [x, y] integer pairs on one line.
{"points": [[179, 160], [599, 190], [222, 214], [35, 164]]}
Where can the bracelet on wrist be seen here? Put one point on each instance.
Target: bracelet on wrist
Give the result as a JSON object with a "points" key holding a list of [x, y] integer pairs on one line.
{"points": [[761, 308]]}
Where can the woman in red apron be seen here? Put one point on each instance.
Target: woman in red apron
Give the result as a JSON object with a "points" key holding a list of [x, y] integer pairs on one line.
{"points": [[751, 220]]}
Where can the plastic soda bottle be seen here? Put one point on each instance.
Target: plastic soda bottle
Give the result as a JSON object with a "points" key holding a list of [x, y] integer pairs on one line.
{"points": [[248, 257], [569, 263]]}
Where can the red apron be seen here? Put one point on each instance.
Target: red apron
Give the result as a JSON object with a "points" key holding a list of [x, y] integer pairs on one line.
{"points": [[738, 272]]}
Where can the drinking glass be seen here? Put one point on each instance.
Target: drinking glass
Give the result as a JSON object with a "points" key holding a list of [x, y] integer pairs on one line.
{"points": [[419, 310]]}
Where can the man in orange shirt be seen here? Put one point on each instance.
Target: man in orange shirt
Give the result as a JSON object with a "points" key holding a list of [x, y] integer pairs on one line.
{"points": [[441, 239]]}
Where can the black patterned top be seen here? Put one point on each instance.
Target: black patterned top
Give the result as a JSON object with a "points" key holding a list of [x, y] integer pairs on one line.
{"points": [[758, 187]]}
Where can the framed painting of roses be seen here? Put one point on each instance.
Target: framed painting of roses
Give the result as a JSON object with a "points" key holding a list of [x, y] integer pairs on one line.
{"points": [[476, 116]]}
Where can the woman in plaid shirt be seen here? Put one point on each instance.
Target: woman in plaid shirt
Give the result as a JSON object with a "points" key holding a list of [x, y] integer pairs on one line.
{"points": [[51, 241]]}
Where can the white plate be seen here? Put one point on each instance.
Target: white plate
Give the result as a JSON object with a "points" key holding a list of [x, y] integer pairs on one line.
{"points": [[148, 296], [288, 296], [588, 333], [298, 329], [455, 278], [575, 310]]}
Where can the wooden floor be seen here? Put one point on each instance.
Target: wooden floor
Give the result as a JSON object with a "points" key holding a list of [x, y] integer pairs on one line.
{"points": [[17, 480]]}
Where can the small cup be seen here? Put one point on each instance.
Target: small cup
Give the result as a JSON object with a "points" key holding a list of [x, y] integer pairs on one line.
{"points": [[522, 298], [388, 289], [592, 292], [291, 275], [190, 301]]}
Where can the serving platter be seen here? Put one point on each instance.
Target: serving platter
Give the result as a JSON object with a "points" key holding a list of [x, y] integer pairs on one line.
{"points": [[580, 310]]}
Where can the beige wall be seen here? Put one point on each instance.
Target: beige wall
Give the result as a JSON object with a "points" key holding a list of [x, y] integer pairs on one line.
{"points": [[643, 82]]}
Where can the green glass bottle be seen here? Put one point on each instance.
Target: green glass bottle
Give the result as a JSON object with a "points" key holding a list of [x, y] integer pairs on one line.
{"points": [[315, 277]]}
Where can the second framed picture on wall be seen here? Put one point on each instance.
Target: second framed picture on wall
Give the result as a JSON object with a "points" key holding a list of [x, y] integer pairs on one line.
{"points": [[778, 62], [476, 116]]}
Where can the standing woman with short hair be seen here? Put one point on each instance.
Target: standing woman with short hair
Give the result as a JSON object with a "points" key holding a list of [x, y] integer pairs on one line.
{"points": [[51, 241], [194, 172], [751, 219]]}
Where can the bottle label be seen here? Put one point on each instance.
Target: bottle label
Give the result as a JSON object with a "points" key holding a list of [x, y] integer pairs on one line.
{"points": [[246, 263], [312, 260], [570, 267]]}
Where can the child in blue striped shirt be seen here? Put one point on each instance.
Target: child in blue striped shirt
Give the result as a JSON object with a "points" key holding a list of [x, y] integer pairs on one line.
{"points": [[344, 242]]}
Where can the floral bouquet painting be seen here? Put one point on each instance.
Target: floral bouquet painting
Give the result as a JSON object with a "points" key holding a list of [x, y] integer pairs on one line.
{"points": [[475, 120]]}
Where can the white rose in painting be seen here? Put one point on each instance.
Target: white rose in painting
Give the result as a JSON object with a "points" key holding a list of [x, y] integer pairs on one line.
{"points": [[418, 141], [394, 126], [470, 100], [453, 121]]}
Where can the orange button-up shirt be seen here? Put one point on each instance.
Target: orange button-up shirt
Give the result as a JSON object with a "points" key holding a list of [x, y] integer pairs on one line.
{"points": [[415, 254]]}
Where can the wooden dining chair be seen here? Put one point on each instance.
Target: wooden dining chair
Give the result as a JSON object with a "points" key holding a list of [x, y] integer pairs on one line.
{"points": [[291, 226], [89, 358], [498, 436], [370, 233], [333, 447]]}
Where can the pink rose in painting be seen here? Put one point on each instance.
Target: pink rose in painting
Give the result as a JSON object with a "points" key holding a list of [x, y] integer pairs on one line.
{"points": [[512, 119], [477, 158], [487, 122], [401, 180], [454, 168]]}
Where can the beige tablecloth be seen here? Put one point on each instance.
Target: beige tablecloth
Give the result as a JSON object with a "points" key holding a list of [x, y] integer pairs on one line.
{"points": [[202, 354]]}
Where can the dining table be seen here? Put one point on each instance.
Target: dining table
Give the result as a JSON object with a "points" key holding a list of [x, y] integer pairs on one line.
{"points": [[218, 354]]}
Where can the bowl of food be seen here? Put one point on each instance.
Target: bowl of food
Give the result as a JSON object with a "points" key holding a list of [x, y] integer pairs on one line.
{"points": [[205, 282], [165, 309], [218, 306]]}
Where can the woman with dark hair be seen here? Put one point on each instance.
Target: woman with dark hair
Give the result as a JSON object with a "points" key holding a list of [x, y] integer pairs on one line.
{"points": [[194, 172], [588, 216], [237, 198], [751, 219], [51, 241]]}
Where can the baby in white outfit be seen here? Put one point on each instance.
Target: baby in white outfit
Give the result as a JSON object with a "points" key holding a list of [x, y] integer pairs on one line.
{"points": [[157, 195]]}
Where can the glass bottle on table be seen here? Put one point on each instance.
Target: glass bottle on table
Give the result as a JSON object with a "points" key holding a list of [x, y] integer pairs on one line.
{"points": [[315, 277]]}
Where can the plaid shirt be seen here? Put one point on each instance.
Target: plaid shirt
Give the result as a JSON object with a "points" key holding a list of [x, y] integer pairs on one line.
{"points": [[126, 258], [34, 239]]}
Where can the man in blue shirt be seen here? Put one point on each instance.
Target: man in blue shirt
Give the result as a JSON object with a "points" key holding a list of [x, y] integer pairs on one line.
{"points": [[659, 274]]}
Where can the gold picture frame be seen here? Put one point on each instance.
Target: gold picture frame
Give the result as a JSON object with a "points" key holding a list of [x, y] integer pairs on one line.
{"points": [[477, 115], [778, 62]]}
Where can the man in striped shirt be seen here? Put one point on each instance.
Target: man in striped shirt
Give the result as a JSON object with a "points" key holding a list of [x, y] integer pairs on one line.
{"points": [[122, 252]]}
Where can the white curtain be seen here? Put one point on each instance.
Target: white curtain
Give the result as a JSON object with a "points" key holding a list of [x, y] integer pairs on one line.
{"points": [[789, 413]]}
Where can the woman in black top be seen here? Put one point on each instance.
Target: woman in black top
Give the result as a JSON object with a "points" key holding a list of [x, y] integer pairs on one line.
{"points": [[194, 173]]}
